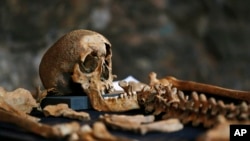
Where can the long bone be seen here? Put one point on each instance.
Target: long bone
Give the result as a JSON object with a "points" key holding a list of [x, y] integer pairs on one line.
{"points": [[200, 87]]}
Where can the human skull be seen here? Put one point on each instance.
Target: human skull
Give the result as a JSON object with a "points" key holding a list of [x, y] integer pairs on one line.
{"points": [[89, 51], [81, 62]]}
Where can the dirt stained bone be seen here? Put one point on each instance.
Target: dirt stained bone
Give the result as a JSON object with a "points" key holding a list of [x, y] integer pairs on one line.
{"points": [[80, 61], [90, 50]]}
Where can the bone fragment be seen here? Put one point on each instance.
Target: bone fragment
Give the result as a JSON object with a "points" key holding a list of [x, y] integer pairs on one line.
{"points": [[98, 132], [169, 125], [5, 107], [85, 133], [58, 131], [126, 122], [141, 124], [18, 116], [67, 128], [24, 121], [21, 99], [132, 119], [65, 111]]}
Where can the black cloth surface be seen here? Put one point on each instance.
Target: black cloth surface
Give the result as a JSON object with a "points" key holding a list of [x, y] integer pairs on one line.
{"points": [[12, 132]]}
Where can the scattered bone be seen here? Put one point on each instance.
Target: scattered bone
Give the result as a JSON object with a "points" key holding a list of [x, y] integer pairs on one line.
{"points": [[12, 108], [132, 119], [130, 123], [29, 125], [141, 123], [97, 133], [14, 116], [125, 121], [85, 133], [67, 128], [20, 99], [5, 107], [101, 133], [59, 131], [170, 125], [76, 115], [65, 111], [55, 110]]}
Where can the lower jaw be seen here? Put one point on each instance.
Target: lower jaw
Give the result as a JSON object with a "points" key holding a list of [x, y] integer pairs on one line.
{"points": [[114, 102]]}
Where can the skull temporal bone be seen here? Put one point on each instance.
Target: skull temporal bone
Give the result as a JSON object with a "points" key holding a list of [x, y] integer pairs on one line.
{"points": [[90, 50]]}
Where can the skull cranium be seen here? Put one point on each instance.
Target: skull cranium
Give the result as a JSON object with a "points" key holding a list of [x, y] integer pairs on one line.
{"points": [[81, 62], [88, 50]]}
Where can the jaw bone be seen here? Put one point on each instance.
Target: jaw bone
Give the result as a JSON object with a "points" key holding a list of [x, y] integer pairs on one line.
{"points": [[109, 102]]}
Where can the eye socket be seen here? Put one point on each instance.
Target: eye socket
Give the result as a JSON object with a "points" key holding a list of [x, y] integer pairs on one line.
{"points": [[105, 72], [90, 63]]}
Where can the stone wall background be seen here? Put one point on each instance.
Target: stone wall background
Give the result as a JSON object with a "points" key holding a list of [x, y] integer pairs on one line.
{"points": [[201, 40]]}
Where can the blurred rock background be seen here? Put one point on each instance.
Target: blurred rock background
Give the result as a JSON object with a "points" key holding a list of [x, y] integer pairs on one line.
{"points": [[200, 40]]}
